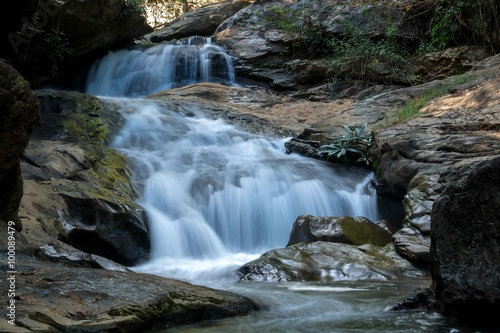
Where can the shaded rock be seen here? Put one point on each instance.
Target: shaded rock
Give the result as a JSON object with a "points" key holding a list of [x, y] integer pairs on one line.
{"points": [[70, 257], [394, 175], [90, 25], [412, 245], [19, 114], [465, 248], [343, 229], [421, 299], [323, 261], [59, 298], [202, 21], [482, 19], [92, 198], [452, 61], [64, 112]]}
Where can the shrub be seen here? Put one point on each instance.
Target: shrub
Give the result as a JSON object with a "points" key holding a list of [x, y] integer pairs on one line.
{"points": [[352, 143]]}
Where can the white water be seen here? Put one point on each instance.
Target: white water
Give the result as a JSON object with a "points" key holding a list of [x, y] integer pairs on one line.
{"points": [[140, 71], [216, 196]]}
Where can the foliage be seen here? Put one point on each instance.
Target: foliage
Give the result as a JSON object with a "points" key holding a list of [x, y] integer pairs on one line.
{"points": [[46, 50], [160, 12], [133, 6], [87, 130], [352, 142], [357, 56]]}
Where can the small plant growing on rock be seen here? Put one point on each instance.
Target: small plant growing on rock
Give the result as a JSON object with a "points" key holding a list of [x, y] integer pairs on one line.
{"points": [[353, 142]]}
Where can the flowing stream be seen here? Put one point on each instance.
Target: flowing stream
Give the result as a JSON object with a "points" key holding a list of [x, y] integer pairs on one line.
{"points": [[218, 197]]}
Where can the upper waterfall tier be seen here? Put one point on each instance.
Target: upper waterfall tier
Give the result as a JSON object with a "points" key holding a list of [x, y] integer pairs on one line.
{"points": [[141, 72]]}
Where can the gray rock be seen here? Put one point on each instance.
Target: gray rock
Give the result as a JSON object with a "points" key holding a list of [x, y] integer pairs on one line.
{"points": [[198, 22], [343, 229], [324, 261], [465, 248], [411, 244], [57, 298]]}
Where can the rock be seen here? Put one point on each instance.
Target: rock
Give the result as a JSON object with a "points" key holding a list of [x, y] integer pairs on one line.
{"points": [[343, 229], [453, 61], [421, 299], [92, 198], [412, 245], [19, 115], [58, 298], [71, 257], [64, 112], [254, 111], [259, 30], [394, 174], [324, 261], [482, 19], [465, 247], [202, 21], [90, 25]]}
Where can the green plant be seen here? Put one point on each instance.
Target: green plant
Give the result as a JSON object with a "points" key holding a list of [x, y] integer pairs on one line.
{"points": [[357, 56], [352, 143], [133, 6], [46, 50], [88, 130]]}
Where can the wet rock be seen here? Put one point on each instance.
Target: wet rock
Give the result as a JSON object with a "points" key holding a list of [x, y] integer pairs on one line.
{"points": [[18, 117], [343, 229], [412, 245], [70, 257], [58, 298], [324, 261], [199, 22], [76, 190], [465, 248], [421, 299]]}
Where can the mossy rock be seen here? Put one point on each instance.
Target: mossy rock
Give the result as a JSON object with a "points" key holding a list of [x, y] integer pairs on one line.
{"points": [[343, 229]]}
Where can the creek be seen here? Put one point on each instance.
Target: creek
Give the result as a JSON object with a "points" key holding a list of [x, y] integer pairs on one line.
{"points": [[218, 197]]}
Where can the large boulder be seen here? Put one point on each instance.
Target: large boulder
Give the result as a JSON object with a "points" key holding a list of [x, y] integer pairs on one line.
{"points": [[343, 229], [19, 114], [202, 21], [465, 247], [482, 18], [89, 24], [55, 298], [325, 261], [92, 198]]}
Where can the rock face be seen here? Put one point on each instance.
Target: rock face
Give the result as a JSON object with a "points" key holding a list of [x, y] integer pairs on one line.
{"points": [[324, 261], [57, 298], [343, 229], [19, 115], [89, 24], [465, 245], [202, 21], [92, 198], [483, 19]]}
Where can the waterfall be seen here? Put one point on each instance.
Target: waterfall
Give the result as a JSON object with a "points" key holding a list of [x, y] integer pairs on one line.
{"points": [[212, 191], [140, 71], [215, 196]]}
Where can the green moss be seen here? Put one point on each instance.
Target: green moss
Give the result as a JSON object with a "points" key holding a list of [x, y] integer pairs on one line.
{"points": [[87, 130], [364, 232]]}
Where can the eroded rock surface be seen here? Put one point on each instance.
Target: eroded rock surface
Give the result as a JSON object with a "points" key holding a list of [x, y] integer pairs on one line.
{"points": [[55, 298], [324, 261]]}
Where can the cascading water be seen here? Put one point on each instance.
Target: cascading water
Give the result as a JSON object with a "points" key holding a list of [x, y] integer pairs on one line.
{"points": [[140, 71], [217, 198], [211, 190]]}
